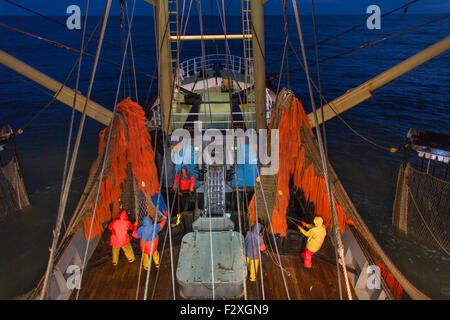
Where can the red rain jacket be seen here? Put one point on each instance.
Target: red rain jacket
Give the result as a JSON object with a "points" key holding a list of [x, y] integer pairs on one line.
{"points": [[146, 246], [186, 183], [120, 228]]}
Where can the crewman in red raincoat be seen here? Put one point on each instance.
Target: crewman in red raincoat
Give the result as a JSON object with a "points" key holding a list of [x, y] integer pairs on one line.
{"points": [[148, 234], [186, 182], [120, 238]]}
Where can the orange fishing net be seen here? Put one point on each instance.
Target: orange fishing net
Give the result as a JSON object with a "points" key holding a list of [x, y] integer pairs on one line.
{"points": [[130, 144], [293, 163]]}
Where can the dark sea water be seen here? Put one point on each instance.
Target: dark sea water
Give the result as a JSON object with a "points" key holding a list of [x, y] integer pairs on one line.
{"points": [[369, 174]]}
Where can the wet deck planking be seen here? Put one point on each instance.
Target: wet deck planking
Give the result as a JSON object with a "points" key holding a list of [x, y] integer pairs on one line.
{"points": [[106, 282]]}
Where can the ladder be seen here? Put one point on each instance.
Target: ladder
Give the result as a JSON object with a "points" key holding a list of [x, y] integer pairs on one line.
{"points": [[247, 40], [248, 50], [174, 31], [215, 190]]}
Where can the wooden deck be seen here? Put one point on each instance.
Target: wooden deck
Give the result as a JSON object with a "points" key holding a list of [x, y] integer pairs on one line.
{"points": [[103, 281]]}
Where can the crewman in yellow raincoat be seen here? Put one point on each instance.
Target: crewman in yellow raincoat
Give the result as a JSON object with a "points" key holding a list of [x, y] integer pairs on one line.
{"points": [[316, 235]]}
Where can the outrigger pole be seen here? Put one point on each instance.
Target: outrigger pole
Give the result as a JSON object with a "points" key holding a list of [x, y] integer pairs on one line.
{"points": [[363, 92], [348, 100]]}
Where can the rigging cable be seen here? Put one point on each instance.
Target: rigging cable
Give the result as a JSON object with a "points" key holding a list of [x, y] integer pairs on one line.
{"points": [[164, 159], [324, 129], [64, 25], [132, 57], [159, 48], [163, 169], [25, 80], [324, 158], [72, 117], [371, 43], [410, 72], [389, 149], [68, 179], [204, 75], [265, 202], [108, 6], [227, 53], [63, 46], [173, 201], [350, 29], [155, 145], [20, 130]]}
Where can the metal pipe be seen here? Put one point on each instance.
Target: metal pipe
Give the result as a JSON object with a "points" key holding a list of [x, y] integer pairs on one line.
{"points": [[211, 37]]}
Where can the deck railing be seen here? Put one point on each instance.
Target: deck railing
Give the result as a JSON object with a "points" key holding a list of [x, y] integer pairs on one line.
{"points": [[209, 62]]}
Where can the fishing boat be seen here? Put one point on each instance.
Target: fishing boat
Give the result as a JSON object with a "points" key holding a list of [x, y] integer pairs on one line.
{"points": [[202, 251]]}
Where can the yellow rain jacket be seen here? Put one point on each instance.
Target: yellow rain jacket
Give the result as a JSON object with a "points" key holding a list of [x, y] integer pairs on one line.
{"points": [[316, 234]]}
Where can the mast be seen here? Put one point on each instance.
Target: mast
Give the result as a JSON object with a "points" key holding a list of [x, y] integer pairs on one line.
{"points": [[259, 65], [164, 61]]}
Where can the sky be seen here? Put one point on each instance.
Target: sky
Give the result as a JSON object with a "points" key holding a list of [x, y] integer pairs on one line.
{"points": [[272, 7]]}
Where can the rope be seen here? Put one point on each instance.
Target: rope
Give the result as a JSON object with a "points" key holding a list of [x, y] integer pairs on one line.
{"points": [[20, 130], [350, 29], [63, 46], [108, 6], [199, 12], [280, 264], [65, 27], [205, 82], [371, 43], [410, 72], [273, 235], [72, 117], [132, 57], [324, 130], [25, 80], [164, 159], [164, 144], [155, 145], [318, 90], [259, 252], [227, 50], [62, 202], [160, 187], [323, 157], [162, 255]]}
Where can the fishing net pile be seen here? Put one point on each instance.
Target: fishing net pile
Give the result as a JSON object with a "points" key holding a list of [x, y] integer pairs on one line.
{"points": [[421, 207], [299, 161], [13, 193], [300, 169], [130, 180]]}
